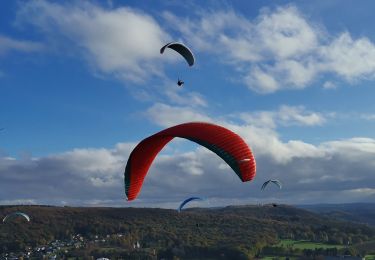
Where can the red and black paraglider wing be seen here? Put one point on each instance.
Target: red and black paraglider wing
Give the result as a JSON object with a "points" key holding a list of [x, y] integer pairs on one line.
{"points": [[225, 143]]}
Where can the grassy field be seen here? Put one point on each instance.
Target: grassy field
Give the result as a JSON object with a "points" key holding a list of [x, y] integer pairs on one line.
{"points": [[370, 257], [302, 244], [305, 244], [273, 257]]}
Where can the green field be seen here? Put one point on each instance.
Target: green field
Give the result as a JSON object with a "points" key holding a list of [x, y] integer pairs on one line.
{"points": [[273, 257], [302, 244], [267, 258], [370, 257]]}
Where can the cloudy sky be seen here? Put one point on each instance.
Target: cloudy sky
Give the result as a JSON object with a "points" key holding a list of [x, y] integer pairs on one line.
{"points": [[81, 83]]}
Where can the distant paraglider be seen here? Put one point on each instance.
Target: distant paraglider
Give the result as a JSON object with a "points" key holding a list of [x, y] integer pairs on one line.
{"points": [[225, 143], [183, 51], [276, 182], [16, 214], [187, 201]]}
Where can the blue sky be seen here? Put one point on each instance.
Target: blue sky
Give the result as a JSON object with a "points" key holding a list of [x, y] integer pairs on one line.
{"points": [[82, 82]]}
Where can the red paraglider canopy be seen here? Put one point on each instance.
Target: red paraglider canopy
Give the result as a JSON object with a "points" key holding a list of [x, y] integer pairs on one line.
{"points": [[225, 143]]}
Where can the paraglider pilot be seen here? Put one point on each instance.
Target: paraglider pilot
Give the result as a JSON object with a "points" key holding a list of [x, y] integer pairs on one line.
{"points": [[180, 83]]}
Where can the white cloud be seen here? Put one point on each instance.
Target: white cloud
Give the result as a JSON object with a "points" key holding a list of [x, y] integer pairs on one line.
{"points": [[353, 149], [369, 117], [8, 44], [266, 142], [261, 81], [280, 49], [190, 164], [285, 33], [285, 116], [18, 202], [208, 28], [360, 192], [297, 115], [92, 160], [123, 42], [351, 59], [76, 176], [177, 96], [329, 85], [166, 116]]}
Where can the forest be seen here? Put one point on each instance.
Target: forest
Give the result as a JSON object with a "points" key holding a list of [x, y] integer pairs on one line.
{"points": [[233, 232]]}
